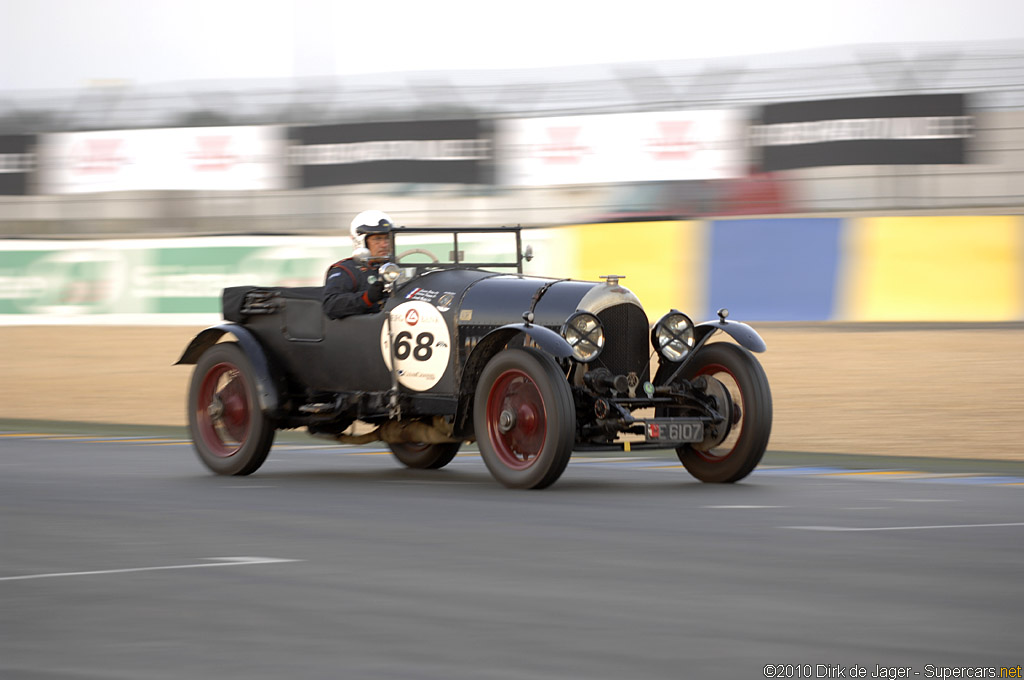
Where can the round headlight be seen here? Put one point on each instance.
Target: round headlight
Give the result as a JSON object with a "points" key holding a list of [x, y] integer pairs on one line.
{"points": [[585, 334], [673, 336]]}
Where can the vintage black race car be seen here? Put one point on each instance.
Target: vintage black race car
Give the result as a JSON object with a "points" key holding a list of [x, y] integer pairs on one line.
{"points": [[472, 349]]}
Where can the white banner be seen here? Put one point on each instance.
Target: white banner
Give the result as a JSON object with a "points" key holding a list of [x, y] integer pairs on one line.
{"points": [[174, 159], [622, 147]]}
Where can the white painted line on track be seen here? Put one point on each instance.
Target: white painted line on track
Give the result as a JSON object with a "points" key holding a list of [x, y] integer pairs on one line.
{"points": [[136, 440], [220, 562], [909, 528], [430, 482], [919, 500], [869, 507], [743, 507], [52, 437]]}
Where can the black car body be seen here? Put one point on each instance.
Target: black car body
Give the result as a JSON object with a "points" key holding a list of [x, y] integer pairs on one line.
{"points": [[531, 368]]}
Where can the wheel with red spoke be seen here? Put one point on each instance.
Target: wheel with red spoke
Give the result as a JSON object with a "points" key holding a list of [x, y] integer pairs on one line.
{"points": [[420, 456], [524, 418], [230, 433], [737, 388]]}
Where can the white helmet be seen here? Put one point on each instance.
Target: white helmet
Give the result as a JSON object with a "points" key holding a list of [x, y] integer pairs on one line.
{"points": [[369, 222]]}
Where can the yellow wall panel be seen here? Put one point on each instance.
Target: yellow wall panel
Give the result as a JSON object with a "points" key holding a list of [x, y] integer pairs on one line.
{"points": [[664, 263], [932, 268]]}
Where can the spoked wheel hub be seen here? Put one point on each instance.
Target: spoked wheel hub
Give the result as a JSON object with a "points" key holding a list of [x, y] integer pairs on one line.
{"points": [[728, 407], [506, 421], [216, 409], [515, 409], [224, 410]]}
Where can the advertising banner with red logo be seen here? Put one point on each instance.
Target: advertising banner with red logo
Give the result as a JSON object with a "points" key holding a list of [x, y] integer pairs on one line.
{"points": [[175, 159], [622, 147]]}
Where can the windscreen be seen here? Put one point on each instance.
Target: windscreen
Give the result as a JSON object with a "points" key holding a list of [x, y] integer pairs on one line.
{"points": [[482, 249]]}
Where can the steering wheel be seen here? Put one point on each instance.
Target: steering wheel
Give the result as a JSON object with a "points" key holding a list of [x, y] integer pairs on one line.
{"points": [[417, 251]]}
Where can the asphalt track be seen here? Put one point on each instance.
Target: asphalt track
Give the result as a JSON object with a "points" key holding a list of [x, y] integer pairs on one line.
{"points": [[123, 558]]}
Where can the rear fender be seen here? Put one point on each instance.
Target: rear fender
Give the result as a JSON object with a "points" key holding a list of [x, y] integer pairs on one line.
{"points": [[266, 386]]}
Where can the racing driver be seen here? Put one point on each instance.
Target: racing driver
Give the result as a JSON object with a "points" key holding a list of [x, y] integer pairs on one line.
{"points": [[353, 285]]}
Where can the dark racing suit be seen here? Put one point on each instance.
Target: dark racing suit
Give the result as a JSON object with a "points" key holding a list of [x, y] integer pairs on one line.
{"points": [[350, 289]]}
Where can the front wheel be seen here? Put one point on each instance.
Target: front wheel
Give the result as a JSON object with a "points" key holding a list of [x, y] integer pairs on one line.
{"points": [[231, 435], [739, 389], [425, 456], [524, 419]]}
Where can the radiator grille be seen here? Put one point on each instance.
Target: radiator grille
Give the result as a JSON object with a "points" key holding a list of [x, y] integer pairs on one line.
{"points": [[627, 340]]}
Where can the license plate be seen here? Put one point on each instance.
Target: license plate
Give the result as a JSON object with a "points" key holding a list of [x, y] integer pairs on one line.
{"points": [[668, 430]]}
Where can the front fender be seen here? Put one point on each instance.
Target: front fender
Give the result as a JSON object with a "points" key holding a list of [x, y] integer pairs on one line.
{"points": [[740, 332], [266, 386], [491, 344], [548, 340]]}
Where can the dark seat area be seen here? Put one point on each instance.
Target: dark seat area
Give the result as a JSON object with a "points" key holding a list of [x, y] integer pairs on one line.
{"points": [[239, 302], [301, 293]]}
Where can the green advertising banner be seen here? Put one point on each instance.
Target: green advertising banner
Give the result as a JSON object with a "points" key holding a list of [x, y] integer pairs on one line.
{"points": [[179, 281], [150, 281]]}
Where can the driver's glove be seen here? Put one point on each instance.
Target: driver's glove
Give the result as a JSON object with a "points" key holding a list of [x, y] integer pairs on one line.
{"points": [[375, 292]]}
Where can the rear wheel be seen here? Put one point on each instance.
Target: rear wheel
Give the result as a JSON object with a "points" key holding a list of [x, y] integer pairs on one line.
{"points": [[425, 456], [739, 389], [524, 419], [230, 433]]}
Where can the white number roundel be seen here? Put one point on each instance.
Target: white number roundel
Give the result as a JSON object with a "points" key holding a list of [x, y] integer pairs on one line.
{"points": [[422, 344]]}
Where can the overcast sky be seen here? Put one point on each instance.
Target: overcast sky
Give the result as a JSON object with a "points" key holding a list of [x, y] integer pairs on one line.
{"points": [[58, 44]]}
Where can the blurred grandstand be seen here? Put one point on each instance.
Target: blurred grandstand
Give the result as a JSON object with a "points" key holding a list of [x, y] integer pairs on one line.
{"points": [[990, 181]]}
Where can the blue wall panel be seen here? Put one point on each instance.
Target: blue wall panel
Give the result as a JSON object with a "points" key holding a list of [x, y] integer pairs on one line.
{"points": [[774, 269]]}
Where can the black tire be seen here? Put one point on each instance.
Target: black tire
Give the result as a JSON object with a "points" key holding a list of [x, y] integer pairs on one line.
{"points": [[230, 433], [731, 459], [532, 447], [425, 456]]}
